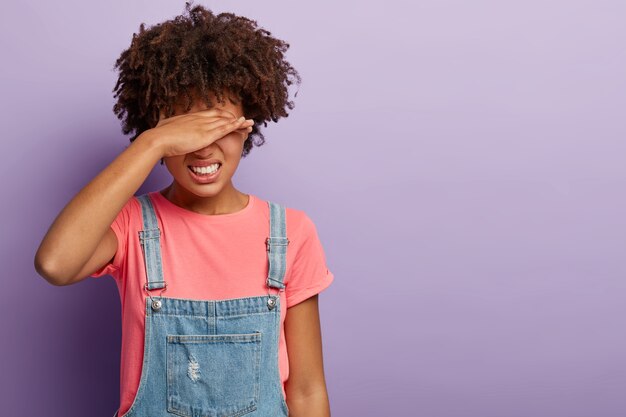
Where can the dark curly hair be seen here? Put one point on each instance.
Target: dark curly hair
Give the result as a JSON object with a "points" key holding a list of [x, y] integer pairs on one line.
{"points": [[198, 53]]}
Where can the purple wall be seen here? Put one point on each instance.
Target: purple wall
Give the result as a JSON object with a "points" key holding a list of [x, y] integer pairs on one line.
{"points": [[464, 165]]}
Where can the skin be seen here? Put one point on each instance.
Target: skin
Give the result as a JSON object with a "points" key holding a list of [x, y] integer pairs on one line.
{"points": [[220, 196], [81, 241], [306, 387]]}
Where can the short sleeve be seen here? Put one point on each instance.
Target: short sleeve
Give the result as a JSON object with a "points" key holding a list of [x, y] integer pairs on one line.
{"points": [[120, 227], [309, 274]]}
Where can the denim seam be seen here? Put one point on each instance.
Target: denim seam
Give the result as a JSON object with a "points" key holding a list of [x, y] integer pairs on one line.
{"points": [[218, 301], [205, 317], [283, 400]]}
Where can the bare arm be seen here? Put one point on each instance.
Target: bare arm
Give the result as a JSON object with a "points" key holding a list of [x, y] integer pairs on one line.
{"points": [[78, 230], [80, 240], [306, 386]]}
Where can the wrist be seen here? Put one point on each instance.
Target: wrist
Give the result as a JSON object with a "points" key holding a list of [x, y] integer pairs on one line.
{"points": [[151, 144]]}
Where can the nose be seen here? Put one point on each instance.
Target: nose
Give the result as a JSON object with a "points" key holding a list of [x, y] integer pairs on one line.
{"points": [[204, 153]]}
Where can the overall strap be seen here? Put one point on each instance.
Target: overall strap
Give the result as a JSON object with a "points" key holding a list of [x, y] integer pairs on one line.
{"points": [[150, 241], [277, 246]]}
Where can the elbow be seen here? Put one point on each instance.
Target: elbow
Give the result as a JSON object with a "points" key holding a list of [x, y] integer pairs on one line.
{"points": [[51, 274], [314, 403]]}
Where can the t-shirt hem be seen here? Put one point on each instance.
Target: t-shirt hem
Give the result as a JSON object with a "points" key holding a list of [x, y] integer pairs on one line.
{"points": [[111, 267], [302, 295]]}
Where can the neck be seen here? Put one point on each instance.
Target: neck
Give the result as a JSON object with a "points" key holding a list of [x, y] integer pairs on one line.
{"points": [[228, 200]]}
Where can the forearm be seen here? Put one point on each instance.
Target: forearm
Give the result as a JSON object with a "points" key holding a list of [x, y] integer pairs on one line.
{"points": [[315, 404], [78, 228]]}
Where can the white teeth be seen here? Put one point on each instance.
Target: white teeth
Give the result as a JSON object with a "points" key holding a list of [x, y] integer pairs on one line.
{"points": [[205, 170]]}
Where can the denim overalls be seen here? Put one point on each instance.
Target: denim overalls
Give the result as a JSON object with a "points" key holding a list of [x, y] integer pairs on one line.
{"points": [[210, 358]]}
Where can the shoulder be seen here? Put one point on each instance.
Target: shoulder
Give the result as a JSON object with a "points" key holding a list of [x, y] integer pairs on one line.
{"points": [[296, 218], [299, 223], [129, 213], [133, 203], [300, 226], [129, 217], [132, 208]]}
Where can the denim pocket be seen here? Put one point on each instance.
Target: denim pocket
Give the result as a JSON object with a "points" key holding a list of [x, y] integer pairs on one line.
{"points": [[213, 375]]}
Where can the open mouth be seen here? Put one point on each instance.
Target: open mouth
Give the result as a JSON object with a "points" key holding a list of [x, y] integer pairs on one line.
{"points": [[205, 173]]}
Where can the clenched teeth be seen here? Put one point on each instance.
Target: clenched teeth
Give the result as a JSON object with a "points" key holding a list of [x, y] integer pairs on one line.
{"points": [[205, 170]]}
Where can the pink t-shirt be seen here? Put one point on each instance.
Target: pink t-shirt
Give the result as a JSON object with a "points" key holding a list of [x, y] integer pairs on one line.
{"points": [[208, 257]]}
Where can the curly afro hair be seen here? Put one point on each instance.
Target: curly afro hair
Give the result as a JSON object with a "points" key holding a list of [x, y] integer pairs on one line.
{"points": [[198, 54]]}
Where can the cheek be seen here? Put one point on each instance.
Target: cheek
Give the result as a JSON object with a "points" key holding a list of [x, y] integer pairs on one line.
{"points": [[174, 164]]}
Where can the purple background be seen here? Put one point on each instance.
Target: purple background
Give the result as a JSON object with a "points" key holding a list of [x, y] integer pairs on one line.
{"points": [[463, 163]]}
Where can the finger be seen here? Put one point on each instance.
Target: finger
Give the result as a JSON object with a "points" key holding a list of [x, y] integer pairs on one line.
{"points": [[208, 118], [245, 130], [218, 122], [221, 125], [223, 129], [216, 112]]}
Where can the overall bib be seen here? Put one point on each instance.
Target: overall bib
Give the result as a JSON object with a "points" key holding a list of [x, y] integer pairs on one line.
{"points": [[210, 358]]}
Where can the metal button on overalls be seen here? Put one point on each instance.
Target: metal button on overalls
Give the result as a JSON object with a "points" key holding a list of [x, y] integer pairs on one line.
{"points": [[210, 358], [156, 305]]}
